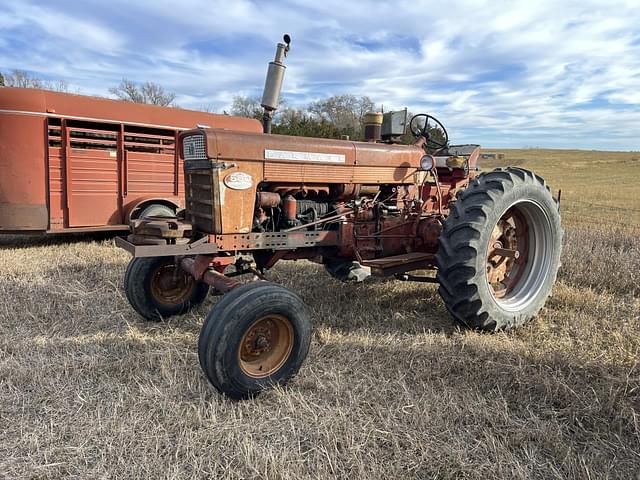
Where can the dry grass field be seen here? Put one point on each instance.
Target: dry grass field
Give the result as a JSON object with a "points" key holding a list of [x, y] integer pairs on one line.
{"points": [[391, 388]]}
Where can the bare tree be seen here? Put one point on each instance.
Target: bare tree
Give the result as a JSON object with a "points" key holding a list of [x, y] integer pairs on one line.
{"points": [[246, 107], [290, 116], [23, 79], [148, 92], [156, 95], [331, 117], [57, 86], [343, 111]]}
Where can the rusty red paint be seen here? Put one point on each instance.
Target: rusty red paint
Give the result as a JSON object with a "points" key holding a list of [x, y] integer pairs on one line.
{"points": [[199, 268], [71, 162], [375, 197]]}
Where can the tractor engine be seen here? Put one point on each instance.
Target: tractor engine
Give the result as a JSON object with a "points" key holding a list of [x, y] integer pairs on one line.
{"points": [[281, 206], [377, 199]]}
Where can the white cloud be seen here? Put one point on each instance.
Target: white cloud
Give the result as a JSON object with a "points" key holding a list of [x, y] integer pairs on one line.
{"points": [[517, 73], [56, 24]]}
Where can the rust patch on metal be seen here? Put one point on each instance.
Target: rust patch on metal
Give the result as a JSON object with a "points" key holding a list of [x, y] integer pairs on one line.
{"points": [[507, 253]]}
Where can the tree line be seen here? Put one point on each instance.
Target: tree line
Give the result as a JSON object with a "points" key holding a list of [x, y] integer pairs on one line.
{"points": [[333, 117], [148, 92], [22, 79]]}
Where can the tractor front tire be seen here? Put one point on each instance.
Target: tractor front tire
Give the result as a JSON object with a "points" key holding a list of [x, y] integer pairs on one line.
{"points": [[256, 337], [499, 250], [157, 288]]}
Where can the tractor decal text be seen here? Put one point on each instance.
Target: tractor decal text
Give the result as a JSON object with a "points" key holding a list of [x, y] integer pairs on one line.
{"points": [[304, 156], [238, 181]]}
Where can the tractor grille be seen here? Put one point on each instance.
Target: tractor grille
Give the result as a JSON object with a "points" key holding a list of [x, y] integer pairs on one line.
{"points": [[194, 148], [201, 183]]}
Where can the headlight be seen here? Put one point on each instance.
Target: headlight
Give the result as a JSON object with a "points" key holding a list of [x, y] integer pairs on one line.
{"points": [[426, 163]]}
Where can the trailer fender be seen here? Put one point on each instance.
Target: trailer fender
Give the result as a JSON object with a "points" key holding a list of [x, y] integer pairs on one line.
{"points": [[132, 209]]}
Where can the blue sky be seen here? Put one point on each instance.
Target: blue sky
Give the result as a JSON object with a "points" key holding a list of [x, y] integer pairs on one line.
{"points": [[503, 73]]}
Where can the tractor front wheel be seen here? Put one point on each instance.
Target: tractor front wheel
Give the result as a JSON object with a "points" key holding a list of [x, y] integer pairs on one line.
{"points": [[157, 288], [258, 335], [499, 250]]}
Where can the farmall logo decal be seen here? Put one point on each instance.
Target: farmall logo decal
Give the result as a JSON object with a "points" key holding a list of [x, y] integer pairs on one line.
{"points": [[238, 181], [304, 156]]}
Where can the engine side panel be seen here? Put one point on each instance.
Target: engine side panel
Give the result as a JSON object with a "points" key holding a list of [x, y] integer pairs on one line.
{"points": [[238, 196], [239, 164], [221, 198]]}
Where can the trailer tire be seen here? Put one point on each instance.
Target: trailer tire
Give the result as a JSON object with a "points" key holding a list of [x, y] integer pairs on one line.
{"points": [[499, 251], [157, 210], [146, 289], [258, 338]]}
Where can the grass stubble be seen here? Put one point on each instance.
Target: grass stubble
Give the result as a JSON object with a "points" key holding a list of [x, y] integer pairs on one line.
{"points": [[391, 387]]}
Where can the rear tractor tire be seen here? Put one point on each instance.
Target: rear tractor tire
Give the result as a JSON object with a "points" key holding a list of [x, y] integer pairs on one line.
{"points": [[257, 336], [157, 288], [499, 250]]}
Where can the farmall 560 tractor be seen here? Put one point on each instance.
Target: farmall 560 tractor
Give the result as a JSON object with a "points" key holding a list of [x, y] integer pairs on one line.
{"points": [[378, 207]]}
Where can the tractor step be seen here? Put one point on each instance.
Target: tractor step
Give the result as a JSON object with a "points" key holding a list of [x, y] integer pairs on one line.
{"points": [[406, 262]]}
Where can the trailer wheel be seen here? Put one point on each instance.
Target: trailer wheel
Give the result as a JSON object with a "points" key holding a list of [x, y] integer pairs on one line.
{"points": [[157, 288], [157, 210], [258, 338], [499, 250]]}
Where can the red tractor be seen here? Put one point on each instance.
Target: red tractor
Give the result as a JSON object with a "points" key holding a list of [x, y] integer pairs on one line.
{"points": [[375, 207]]}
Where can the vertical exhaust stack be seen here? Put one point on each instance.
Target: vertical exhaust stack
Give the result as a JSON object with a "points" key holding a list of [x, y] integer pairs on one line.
{"points": [[273, 83]]}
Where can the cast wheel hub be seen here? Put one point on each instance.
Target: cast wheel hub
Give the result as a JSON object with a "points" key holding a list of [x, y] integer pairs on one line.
{"points": [[507, 253], [265, 346], [171, 285]]}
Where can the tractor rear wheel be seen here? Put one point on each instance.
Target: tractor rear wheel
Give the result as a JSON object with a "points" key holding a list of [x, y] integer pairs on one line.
{"points": [[157, 288], [258, 337], [499, 250]]}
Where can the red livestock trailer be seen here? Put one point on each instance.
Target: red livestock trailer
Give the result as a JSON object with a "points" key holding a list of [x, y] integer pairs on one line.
{"points": [[72, 163]]}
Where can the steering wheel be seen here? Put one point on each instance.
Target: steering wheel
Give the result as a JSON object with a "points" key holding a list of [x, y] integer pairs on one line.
{"points": [[419, 129]]}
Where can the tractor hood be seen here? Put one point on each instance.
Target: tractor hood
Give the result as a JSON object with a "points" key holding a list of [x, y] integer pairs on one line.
{"points": [[227, 145]]}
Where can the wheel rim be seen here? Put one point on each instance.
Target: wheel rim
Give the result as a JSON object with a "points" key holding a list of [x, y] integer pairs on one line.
{"points": [[265, 346], [518, 256], [170, 285]]}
